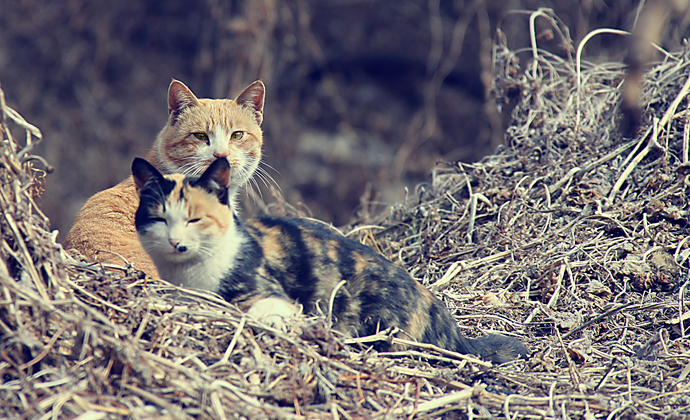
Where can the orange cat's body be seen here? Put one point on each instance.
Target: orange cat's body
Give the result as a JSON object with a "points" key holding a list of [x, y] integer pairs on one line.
{"points": [[198, 132], [104, 229]]}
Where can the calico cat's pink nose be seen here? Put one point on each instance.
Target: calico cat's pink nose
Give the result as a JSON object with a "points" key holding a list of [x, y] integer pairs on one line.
{"points": [[177, 246]]}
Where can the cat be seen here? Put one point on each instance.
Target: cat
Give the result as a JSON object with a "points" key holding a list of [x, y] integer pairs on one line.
{"points": [[189, 227], [197, 132]]}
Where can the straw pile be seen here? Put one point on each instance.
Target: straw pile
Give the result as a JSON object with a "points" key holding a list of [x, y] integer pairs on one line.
{"points": [[570, 238]]}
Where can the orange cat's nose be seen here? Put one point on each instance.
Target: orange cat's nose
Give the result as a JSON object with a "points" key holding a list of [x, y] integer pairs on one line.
{"points": [[220, 154]]}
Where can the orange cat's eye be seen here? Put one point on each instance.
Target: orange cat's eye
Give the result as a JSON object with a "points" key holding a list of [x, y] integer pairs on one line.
{"points": [[237, 135], [201, 137]]}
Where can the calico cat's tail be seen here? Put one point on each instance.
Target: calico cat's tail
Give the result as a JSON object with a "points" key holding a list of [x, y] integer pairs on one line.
{"points": [[494, 348]]}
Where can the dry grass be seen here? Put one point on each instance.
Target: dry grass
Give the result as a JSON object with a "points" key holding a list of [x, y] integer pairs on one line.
{"points": [[571, 238]]}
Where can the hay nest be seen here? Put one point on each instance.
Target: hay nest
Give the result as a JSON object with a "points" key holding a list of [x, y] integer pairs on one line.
{"points": [[571, 238]]}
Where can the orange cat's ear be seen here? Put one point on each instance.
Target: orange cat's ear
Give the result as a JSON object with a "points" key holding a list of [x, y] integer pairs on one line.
{"points": [[179, 98], [253, 99], [143, 173]]}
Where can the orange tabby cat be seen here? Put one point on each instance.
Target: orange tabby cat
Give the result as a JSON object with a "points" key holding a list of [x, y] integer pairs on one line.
{"points": [[197, 133]]}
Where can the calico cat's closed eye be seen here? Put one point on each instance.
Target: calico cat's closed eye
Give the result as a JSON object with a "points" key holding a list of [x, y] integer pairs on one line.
{"points": [[194, 220], [201, 137], [159, 220], [237, 135]]}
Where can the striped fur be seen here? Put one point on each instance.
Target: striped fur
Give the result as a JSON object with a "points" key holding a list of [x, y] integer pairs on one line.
{"points": [[265, 264]]}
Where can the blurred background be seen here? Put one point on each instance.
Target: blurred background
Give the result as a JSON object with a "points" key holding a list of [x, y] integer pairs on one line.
{"points": [[364, 97]]}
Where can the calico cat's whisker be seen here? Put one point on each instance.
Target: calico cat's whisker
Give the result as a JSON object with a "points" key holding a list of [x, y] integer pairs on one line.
{"points": [[206, 247], [206, 253]]}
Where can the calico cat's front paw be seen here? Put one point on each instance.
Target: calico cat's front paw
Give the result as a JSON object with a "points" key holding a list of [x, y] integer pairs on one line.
{"points": [[273, 311]]}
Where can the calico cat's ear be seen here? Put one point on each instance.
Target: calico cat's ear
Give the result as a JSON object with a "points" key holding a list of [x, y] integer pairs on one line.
{"points": [[253, 99], [216, 179], [179, 98], [144, 173]]}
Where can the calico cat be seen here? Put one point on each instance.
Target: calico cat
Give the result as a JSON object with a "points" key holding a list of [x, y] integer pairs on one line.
{"points": [[198, 132], [188, 227]]}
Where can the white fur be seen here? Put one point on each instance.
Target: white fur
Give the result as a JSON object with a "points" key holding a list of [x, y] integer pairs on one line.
{"points": [[219, 142], [273, 311]]}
